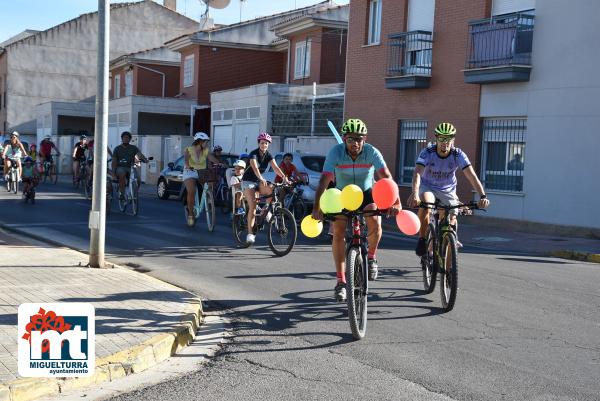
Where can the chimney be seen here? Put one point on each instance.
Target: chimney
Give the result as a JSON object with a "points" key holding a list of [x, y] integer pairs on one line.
{"points": [[170, 4]]}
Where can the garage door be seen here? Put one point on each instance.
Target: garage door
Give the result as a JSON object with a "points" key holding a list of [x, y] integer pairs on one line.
{"points": [[222, 136], [245, 136]]}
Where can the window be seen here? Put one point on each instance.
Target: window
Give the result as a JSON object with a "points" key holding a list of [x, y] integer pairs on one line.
{"points": [[117, 86], [503, 154], [188, 71], [374, 22], [314, 163], [302, 60], [129, 83], [413, 138]]}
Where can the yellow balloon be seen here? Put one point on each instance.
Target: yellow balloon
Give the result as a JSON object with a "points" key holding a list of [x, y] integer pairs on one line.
{"points": [[352, 197], [331, 201], [311, 227]]}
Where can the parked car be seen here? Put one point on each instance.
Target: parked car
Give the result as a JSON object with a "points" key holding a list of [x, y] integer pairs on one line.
{"points": [[309, 163], [171, 177]]}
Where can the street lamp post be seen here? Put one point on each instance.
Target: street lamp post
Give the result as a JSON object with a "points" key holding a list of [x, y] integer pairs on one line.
{"points": [[97, 222]]}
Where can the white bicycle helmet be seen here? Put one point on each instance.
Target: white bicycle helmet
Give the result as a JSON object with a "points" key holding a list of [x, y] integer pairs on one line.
{"points": [[239, 163], [201, 136]]}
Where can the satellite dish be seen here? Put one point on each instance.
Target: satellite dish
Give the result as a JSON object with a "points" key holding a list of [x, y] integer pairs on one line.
{"points": [[217, 4]]}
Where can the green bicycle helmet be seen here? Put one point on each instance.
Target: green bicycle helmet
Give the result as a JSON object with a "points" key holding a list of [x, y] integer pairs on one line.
{"points": [[445, 129], [354, 126]]}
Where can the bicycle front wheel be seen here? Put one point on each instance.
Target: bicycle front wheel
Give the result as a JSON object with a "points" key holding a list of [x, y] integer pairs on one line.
{"points": [[429, 262], [356, 293], [209, 206], [449, 272], [135, 200], [282, 232], [15, 182], [53, 174], [122, 200], [240, 229]]}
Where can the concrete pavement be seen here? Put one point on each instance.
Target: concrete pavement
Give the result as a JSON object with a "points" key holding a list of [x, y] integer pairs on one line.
{"points": [[140, 320]]}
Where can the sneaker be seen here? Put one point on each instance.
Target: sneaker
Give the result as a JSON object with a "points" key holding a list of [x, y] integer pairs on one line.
{"points": [[121, 196], [240, 211], [421, 248], [20, 180], [373, 269], [191, 221], [268, 217], [459, 244], [250, 238], [340, 292]]}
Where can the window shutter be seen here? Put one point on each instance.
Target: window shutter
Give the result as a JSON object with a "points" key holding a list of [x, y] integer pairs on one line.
{"points": [[420, 15], [511, 6]]}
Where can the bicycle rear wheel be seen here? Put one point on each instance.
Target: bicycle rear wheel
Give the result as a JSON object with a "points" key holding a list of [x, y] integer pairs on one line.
{"points": [[449, 272], [298, 209], [429, 262], [282, 232], [356, 293], [209, 206], [240, 229]]}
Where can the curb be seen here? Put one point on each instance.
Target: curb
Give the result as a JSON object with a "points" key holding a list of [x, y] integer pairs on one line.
{"points": [[575, 255], [123, 363]]}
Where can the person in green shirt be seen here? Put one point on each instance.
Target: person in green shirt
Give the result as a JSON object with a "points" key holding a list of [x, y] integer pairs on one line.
{"points": [[123, 158]]}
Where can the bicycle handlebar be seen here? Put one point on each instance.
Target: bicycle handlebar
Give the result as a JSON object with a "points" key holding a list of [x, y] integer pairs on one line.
{"points": [[376, 212], [470, 205]]}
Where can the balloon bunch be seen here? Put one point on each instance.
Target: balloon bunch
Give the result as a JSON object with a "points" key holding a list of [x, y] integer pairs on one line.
{"points": [[385, 194]]}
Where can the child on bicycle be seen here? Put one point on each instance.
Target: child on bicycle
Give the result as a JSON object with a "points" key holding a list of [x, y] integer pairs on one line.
{"points": [[30, 175], [235, 183]]}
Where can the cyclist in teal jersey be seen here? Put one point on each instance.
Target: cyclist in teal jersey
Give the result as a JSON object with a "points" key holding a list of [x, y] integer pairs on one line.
{"points": [[353, 162]]}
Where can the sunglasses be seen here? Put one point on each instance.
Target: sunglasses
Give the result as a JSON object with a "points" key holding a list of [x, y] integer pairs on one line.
{"points": [[351, 139], [443, 140]]}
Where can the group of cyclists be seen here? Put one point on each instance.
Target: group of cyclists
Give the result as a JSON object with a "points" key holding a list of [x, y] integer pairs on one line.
{"points": [[354, 161]]}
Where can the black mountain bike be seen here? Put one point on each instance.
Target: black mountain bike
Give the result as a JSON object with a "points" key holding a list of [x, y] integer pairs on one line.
{"points": [[293, 201], [282, 231], [357, 272], [442, 252]]}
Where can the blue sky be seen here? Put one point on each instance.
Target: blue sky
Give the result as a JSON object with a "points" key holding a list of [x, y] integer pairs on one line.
{"points": [[18, 15]]}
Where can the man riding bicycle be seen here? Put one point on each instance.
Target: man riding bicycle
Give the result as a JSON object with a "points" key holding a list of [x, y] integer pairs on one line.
{"points": [[435, 178], [79, 156], [122, 160], [46, 147], [353, 162]]}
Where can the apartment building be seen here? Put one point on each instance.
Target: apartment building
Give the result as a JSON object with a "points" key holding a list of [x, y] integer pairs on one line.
{"points": [[521, 93]]}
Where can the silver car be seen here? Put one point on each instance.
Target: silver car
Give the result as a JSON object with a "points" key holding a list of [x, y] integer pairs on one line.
{"points": [[309, 163]]}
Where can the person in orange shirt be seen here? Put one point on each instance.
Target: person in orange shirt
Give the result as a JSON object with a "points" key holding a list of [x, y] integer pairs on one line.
{"points": [[288, 168]]}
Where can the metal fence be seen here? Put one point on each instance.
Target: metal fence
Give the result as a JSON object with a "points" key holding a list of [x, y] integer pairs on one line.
{"points": [[409, 53], [499, 41], [503, 153], [298, 118]]}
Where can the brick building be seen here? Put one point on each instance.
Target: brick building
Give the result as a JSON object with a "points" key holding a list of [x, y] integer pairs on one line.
{"points": [[492, 69]]}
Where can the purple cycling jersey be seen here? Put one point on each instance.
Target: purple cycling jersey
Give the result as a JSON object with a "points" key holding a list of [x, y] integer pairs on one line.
{"points": [[440, 172]]}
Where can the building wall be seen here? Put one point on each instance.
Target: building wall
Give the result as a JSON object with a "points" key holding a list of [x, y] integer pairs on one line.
{"points": [[148, 83], [561, 105], [447, 99], [333, 56], [190, 92], [3, 86], [315, 36], [227, 68], [60, 64]]}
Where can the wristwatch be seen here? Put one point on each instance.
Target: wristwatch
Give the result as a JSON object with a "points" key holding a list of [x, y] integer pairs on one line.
{"points": [[484, 196]]}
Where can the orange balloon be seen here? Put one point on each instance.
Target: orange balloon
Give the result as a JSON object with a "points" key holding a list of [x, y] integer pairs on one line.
{"points": [[385, 193], [408, 222]]}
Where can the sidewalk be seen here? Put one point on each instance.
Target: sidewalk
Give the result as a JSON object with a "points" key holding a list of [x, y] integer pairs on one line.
{"points": [[140, 320]]}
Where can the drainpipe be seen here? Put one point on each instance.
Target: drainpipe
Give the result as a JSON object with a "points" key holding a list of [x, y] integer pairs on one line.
{"points": [[313, 114], [289, 60], [158, 72]]}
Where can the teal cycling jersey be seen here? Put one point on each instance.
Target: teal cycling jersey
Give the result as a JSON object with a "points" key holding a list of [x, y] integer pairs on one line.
{"points": [[346, 171]]}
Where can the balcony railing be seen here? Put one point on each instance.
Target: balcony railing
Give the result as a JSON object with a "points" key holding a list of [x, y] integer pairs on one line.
{"points": [[409, 60], [501, 44]]}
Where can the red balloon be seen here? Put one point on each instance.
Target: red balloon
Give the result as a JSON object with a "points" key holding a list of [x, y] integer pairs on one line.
{"points": [[385, 193], [408, 222]]}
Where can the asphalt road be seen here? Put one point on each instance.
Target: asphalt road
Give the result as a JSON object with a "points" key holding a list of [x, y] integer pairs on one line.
{"points": [[523, 328]]}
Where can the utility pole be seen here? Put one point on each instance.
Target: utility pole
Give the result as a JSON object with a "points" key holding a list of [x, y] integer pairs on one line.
{"points": [[97, 221]]}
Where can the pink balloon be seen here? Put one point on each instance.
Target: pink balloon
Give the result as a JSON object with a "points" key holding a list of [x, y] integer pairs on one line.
{"points": [[385, 193], [408, 222]]}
